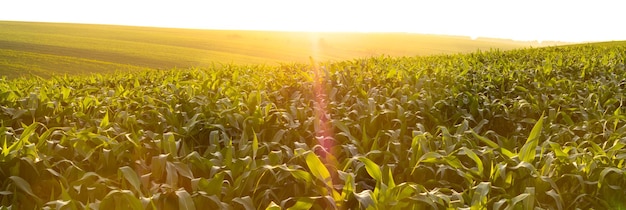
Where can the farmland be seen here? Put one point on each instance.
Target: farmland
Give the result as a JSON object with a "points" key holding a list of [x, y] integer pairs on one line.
{"points": [[518, 129], [45, 49]]}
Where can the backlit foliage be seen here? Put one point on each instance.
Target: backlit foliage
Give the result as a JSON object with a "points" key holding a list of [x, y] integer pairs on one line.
{"points": [[522, 129]]}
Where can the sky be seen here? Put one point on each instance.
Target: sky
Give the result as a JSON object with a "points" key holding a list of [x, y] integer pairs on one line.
{"points": [[528, 20]]}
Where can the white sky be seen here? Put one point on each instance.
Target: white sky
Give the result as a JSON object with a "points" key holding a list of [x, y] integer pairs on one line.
{"points": [[591, 20]]}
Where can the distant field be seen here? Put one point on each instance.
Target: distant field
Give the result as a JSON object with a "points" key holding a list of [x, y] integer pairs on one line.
{"points": [[44, 49]]}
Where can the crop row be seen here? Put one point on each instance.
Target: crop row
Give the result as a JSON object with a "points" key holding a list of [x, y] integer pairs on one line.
{"points": [[533, 128]]}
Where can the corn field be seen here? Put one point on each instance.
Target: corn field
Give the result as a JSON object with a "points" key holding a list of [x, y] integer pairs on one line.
{"points": [[522, 129]]}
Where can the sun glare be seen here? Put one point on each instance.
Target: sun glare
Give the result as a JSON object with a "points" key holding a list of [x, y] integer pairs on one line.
{"points": [[527, 20]]}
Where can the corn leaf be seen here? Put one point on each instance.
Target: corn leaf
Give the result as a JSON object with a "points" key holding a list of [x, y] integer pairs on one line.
{"points": [[129, 174], [184, 200], [24, 186], [372, 169], [303, 203], [528, 151], [318, 169]]}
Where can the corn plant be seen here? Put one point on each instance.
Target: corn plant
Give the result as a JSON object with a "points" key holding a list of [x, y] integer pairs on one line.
{"points": [[531, 128]]}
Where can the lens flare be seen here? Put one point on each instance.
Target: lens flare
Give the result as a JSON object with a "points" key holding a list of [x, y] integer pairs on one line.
{"points": [[324, 134]]}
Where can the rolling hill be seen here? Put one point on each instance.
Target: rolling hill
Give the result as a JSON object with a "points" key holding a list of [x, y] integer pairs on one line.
{"points": [[44, 49]]}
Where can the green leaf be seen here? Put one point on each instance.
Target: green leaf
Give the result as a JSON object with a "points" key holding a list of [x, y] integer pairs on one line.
{"points": [[453, 161], [365, 198], [605, 172], [24, 186], [158, 166], [391, 73], [255, 144], [348, 186], [568, 119], [228, 153], [28, 132], [486, 141], [105, 121], [492, 144], [557, 150], [44, 136], [5, 150], [120, 199], [303, 176], [342, 126], [557, 198], [184, 200], [129, 174], [318, 169], [475, 158], [171, 177], [183, 170], [528, 151], [429, 156], [246, 202], [303, 203], [65, 92], [16, 113], [518, 198], [280, 134], [480, 193], [273, 206], [212, 186], [529, 202], [391, 183], [64, 194], [372, 169], [168, 143]]}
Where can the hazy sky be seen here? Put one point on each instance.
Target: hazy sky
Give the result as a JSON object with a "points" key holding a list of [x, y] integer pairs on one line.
{"points": [[592, 20]]}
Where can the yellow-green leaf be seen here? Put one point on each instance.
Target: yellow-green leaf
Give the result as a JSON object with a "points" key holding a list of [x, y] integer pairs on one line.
{"points": [[273, 206], [255, 144], [528, 151], [475, 158], [318, 169], [105, 121], [372, 169], [303, 203]]}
